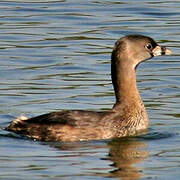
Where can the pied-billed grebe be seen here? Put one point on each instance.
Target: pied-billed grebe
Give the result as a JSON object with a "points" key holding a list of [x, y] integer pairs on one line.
{"points": [[128, 115]]}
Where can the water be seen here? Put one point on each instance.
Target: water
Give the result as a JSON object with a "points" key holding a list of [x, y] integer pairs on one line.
{"points": [[55, 55]]}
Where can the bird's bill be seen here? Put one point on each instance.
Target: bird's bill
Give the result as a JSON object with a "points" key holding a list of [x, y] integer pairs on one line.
{"points": [[161, 50]]}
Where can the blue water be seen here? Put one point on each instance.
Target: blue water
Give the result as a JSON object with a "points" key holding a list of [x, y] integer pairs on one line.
{"points": [[55, 55]]}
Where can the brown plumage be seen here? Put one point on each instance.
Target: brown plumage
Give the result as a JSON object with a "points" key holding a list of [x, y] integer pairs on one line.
{"points": [[128, 115]]}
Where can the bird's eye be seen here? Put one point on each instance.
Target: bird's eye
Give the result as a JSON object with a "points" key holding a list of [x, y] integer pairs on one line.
{"points": [[148, 46]]}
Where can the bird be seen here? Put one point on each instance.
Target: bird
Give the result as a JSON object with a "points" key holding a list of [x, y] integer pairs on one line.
{"points": [[127, 117]]}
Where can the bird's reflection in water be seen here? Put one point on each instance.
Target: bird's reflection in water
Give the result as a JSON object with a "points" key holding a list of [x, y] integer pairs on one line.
{"points": [[123, 155], [126, 154]]}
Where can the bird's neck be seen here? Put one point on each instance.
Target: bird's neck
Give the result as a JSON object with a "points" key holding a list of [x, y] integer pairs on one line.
{"points": [[124, 82]]}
